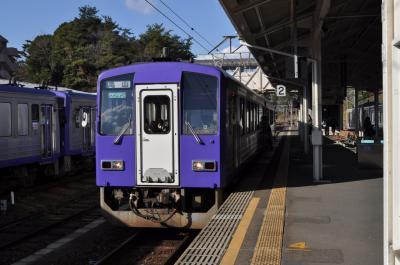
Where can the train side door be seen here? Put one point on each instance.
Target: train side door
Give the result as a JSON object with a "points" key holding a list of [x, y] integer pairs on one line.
{"points": [[157, 157], [46, 121], [93, 111], [86, 124]]}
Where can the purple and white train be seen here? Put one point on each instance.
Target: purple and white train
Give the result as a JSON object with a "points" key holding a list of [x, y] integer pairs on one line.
{"points": [[44, 129], [170, 137]]}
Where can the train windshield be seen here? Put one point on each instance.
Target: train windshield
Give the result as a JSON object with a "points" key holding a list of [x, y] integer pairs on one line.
{"points": [[200, 103], [116, 105]]}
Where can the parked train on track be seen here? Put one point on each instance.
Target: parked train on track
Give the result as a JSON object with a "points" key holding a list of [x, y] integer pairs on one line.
{"points": [[170, 138], [44, 129]]}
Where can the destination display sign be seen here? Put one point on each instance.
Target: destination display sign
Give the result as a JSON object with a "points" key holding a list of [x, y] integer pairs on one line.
{"points": [[116, 95], [118, 84]]}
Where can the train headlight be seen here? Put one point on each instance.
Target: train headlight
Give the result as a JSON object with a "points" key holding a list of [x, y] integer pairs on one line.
{"points": [[201, 165], [117, 165]]}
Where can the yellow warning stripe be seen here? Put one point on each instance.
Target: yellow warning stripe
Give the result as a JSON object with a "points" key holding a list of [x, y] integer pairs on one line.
{"points": [[268, 250], [238, 237]]}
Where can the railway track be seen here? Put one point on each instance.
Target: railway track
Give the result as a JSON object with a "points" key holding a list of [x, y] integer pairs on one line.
{"points": [[150, 246], [54, 213], [36, 200]]}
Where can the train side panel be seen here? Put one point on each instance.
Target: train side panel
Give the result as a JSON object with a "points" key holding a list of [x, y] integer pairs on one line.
{"points": [[81, 139], [34, 134]]}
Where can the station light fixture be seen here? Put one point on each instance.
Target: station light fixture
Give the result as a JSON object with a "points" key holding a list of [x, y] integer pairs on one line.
{"points": [[202, 165], [116, 165]]}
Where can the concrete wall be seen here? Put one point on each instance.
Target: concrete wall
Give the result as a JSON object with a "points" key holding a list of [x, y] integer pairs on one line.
{"points": [[391, 117]]}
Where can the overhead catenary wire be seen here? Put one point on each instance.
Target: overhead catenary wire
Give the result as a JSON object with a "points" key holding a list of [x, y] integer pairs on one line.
{"points": [[186, 23], [176, 25]]}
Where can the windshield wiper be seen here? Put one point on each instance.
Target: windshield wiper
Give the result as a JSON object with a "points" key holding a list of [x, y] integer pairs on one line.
{"points": [[127, 126], [196, 137]]}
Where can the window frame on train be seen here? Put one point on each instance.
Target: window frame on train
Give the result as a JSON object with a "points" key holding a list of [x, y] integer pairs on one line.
{"points": [[23, 119], [188, 93], [161, 122], [113, 130], [4, 120]]}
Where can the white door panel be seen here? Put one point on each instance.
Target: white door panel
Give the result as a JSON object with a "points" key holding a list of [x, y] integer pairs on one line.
{"points": [[157, 135]]}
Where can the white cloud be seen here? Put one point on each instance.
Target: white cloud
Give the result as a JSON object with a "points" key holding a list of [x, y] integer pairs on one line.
{"points": [[139, 5]]}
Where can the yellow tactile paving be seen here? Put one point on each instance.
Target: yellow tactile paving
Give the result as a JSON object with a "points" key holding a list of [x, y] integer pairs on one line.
{"points": [[268, 250], [237, 239]]}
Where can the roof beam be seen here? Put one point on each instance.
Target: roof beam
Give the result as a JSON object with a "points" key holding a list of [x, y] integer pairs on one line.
{"points": [[254, 4], [321, 12], [283, 25]]}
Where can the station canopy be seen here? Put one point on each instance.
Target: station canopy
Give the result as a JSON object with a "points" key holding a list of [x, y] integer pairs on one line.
{"points": [[350, 32]]}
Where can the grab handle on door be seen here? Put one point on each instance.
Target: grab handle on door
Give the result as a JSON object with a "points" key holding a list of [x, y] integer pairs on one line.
{"points": [[145, 140]]}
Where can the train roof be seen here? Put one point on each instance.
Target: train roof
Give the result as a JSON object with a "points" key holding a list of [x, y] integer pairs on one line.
{"points": [[59, 91], [167, 72], [74, 93], [25, 90]]}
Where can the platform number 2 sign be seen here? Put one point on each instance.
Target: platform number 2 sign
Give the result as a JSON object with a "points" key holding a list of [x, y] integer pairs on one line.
{"points": [[281, 91]]}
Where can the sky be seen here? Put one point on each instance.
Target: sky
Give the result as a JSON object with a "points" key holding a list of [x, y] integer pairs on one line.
{"points": [[23, 20]]}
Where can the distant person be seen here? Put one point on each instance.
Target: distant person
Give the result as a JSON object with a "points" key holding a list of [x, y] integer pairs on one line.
{"points": [[266, 129], [368, 128], [309, 124]]}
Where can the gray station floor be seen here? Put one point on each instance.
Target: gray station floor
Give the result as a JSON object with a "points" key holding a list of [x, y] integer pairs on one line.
{"points": [[337, 221]]}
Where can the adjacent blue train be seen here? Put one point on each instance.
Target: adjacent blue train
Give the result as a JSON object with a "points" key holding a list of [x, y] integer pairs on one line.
{"points": [[45, 129], [170, 138]]}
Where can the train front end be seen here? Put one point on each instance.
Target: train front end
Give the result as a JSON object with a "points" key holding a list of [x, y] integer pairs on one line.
{"points": [[158, 144]]}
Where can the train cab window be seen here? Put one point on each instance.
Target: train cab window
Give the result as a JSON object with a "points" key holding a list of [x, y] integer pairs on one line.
{"points": [[23, 119], [5, 119], [199, 103], [157, 114], [116, 106]]}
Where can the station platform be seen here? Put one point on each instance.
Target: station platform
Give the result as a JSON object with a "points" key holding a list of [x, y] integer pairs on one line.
{"points": [[289, 219]]}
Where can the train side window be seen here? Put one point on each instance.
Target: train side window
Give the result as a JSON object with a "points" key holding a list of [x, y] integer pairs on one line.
{"points": [[23, 119], [35, 112], [251, 117], [247, 117], [258, 116], [253, 123], [242, 117], [5, 119], [231, 113], [157, 114]]}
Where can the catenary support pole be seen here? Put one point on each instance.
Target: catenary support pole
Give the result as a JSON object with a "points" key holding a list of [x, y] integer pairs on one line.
{"points": [[316, 110], [305, 120]]}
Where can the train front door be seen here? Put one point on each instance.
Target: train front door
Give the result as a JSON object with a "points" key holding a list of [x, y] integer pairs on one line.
{"points": [[157, 157], [46, 121]]}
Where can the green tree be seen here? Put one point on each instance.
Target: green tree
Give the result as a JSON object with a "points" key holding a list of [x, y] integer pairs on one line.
{"points": [[80, 49], [156, 37], [38, 53]]}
